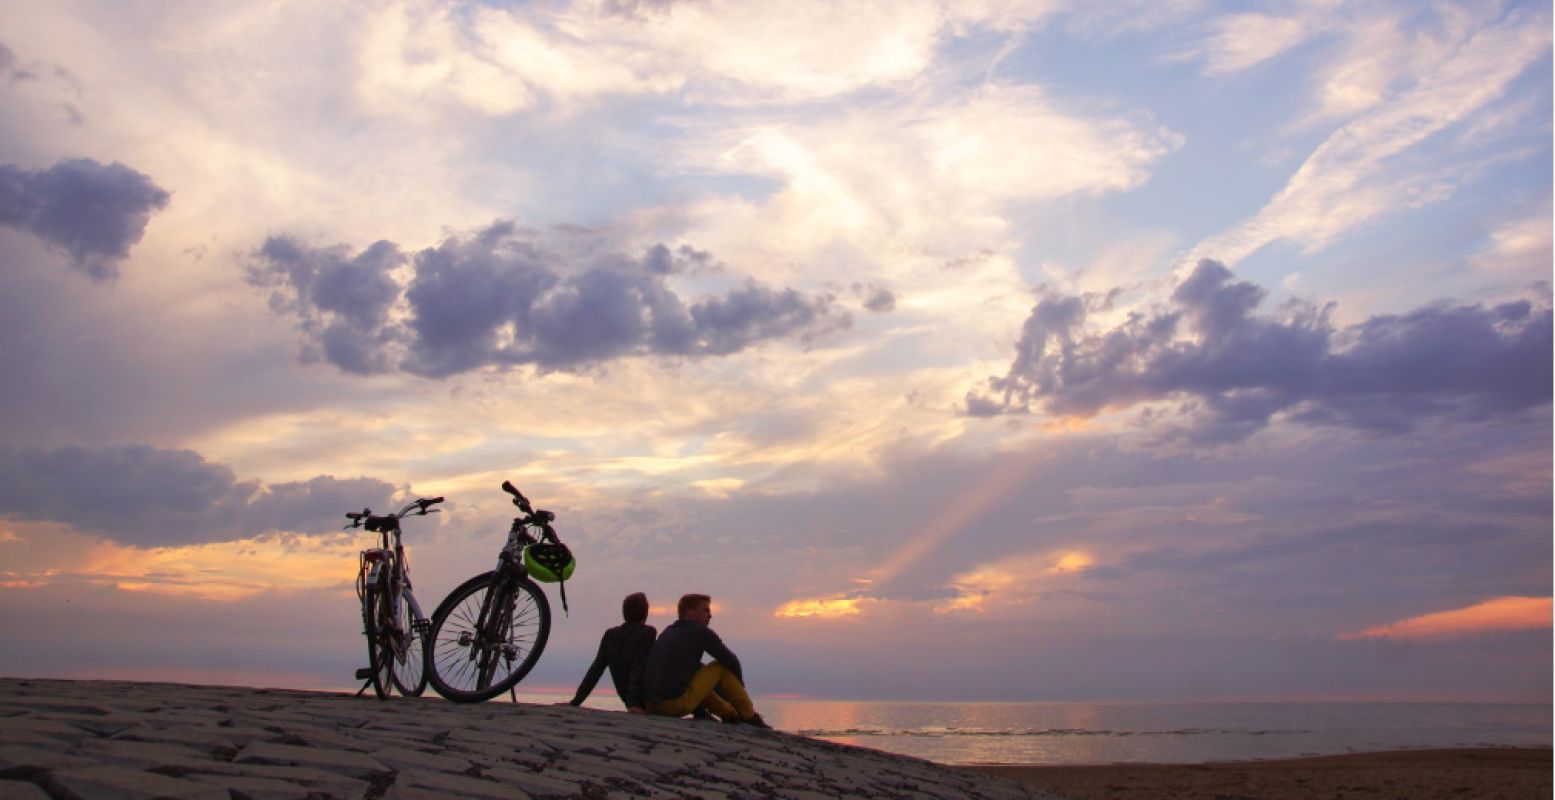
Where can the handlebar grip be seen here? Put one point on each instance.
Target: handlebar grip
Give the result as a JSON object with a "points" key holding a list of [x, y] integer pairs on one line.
{"points": [[518, 497], [430, 501]]}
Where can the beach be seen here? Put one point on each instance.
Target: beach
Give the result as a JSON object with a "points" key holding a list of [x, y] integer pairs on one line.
{"points": [[86, 739], [116, 739], [1502, 773]]}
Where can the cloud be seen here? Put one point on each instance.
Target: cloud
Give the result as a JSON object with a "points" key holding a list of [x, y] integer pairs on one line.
{"points": [[90, 212], [504, 61], [1519, 246], [877, 299], [504, 296], [1354, 176], [222, 571], [1239, 369], [1239, 41], [1495, 615], [822, 608], [341, 300], [148, 496], [1012, 580]]}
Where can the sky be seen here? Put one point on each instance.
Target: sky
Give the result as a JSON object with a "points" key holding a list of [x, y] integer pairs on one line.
{"points": [[984, 350]]}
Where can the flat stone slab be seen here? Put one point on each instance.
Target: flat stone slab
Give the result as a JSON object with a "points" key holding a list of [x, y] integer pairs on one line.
{"points": [[112, 739]]}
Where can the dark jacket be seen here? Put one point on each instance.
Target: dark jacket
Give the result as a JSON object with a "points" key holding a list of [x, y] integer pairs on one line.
{"points": [[677, 656], [624, 649]]}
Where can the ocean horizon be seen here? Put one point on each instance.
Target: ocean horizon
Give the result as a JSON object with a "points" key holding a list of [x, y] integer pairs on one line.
{"points": [[1068, 733]]}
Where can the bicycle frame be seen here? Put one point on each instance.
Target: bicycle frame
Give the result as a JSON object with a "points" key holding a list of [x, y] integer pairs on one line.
{"points": [[397, 580], [510, 568]]}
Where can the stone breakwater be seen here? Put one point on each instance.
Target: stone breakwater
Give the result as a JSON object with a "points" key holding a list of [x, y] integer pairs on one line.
{"points": [[109, 739]]}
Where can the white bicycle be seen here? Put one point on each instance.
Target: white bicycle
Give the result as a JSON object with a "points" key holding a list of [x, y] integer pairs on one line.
{"points": [[396, 629]]}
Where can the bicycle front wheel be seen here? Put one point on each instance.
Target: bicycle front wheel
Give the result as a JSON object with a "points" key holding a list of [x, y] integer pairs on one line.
{"points": [[408, 666], [486, 636]]}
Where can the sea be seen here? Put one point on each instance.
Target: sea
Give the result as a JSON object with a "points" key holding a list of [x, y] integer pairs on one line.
{"points": [[1029, 733]]}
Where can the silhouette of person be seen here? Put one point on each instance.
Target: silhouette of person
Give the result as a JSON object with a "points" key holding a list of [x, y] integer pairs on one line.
{"points": [[624, 649], [677, 681]]}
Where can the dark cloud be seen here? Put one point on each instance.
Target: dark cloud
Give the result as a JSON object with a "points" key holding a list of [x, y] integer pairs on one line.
{"points": [[341, 300], [152, 497], [90, 212], [504, 296], [636, 9], [11, 69], [1237, 369], [878, 299]]}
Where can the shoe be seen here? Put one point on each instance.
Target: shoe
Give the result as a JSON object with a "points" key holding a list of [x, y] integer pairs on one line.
{"points": [[701, 713], [758, 722]]}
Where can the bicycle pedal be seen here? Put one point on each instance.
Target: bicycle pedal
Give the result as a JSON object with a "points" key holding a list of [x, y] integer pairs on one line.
{"points": [[364, 673]]}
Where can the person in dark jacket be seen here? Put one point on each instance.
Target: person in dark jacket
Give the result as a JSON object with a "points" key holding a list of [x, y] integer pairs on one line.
{"points": [[624, 649], [677, 681]]}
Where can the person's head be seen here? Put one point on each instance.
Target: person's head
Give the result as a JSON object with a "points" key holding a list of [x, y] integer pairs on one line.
{"points": [[635, 607], [695, 607]]}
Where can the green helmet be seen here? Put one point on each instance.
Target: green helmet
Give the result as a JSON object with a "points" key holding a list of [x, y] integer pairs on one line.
{"points": [[549, 562]]}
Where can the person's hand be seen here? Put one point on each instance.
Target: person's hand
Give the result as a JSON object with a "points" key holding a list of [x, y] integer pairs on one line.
{"points": [[636, 711]]}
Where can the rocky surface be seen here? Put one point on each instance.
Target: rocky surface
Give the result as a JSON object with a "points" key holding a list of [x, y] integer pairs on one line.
{"points": [[107, 739]]}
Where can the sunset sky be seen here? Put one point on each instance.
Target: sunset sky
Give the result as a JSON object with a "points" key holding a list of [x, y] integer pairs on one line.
{"points": [[995, 349]]}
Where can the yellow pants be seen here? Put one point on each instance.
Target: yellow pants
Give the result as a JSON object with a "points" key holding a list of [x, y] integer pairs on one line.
{"points": [[728, 702]]}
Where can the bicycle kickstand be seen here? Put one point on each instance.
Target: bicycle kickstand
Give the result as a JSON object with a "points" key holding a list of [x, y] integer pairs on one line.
{"points": [[366, 678]]}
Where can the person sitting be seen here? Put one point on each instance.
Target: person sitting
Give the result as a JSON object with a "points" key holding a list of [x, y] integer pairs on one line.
{"points": [[624, 649], [677, 681]]}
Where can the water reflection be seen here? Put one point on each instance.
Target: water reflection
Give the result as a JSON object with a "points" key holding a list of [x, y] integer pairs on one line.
{"points": [[1089, 733]]}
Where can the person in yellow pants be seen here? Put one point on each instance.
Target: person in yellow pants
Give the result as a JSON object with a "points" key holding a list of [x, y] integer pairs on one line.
{"points": [[677, 681]]}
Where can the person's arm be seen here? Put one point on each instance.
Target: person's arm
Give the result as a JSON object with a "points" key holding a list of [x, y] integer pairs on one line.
{"points": [[720, 652], [596, 669]]}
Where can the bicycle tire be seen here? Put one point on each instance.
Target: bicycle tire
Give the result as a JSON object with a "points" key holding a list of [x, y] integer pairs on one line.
{"points": [[380, 651], [408, 671], [486, 636]]}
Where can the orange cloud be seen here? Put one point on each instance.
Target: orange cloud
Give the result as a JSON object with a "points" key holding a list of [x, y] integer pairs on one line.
{"points": [[824, 607], [1499, 614], [1014, 579], [218, 571]]}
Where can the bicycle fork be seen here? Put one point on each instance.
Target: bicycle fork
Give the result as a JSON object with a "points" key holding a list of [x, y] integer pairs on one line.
{"points": [[487, 642]]}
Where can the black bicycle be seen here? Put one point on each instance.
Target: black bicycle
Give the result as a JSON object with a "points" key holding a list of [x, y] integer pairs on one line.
{"points": [[489, 632], [391, 617]]}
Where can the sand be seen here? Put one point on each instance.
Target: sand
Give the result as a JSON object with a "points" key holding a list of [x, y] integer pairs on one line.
{"points": [[1458, 774]]}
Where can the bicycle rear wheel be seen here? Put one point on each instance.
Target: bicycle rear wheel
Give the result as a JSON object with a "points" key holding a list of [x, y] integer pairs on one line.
{"points": [[380, 648], [486, 636], [408, 667]]}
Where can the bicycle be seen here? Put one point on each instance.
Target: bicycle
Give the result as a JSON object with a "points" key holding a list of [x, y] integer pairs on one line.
{"points": [[489, 632], [391, 617]]}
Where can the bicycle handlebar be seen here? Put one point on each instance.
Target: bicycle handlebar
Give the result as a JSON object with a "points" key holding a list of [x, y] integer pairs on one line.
{"points": [[417, 507], [539, 518]]}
